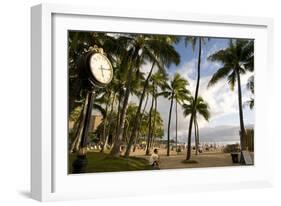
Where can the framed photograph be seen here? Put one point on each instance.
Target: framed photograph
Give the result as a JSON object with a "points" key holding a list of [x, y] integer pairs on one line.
{"points": [[139, 100]]}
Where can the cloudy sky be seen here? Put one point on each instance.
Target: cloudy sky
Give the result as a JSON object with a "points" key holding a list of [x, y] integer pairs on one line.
{"points": [[222, 101]]}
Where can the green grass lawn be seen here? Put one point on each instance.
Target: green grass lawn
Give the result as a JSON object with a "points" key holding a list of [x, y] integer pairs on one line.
{"points": [[101, 162]]}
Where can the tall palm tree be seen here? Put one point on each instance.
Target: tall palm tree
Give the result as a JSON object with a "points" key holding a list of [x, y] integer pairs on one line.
{"points": [[159, 80], [157, 126], [236, 60], [161, 53], [193, 41], [176, 88], [149, 136], [129, 63], [202, 108], [180, 98]]}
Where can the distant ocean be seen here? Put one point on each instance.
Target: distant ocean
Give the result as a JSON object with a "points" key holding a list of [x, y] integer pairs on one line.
{"points": [[221, 135], [218, 140], [223, 140]]}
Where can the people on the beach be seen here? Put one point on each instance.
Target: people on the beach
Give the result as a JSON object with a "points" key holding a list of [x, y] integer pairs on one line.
{"points": [[154, 160]]}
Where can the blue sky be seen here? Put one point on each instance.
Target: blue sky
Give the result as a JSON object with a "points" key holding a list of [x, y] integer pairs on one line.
{"points": [[187, 54], [222, 101]]}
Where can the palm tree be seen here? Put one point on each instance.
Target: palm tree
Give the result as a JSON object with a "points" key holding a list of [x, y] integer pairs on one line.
{"points": [[202, 108], [108, 119], [157, 126], [193, 41], [159, 80], [131, 111], [236, 60], [176, 88], [149, 136], [179, 99], [161, 53], [79, 124]]}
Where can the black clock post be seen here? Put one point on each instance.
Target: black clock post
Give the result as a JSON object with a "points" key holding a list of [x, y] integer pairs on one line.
{"points": [[93, 83], [80, 164]]}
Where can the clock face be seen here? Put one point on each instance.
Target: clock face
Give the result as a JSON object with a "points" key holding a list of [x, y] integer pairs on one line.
{"points": [[101, 68]]}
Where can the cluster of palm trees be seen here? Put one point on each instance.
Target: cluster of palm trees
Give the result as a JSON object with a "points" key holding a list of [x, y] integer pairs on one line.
{"points": [[128, 123]]}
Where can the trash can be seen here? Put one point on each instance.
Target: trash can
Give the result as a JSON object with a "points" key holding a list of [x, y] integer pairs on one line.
{"points": [[234, 157]]}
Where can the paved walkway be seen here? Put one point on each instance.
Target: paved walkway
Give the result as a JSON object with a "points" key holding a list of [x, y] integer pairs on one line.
{"points": [[211, 159]]}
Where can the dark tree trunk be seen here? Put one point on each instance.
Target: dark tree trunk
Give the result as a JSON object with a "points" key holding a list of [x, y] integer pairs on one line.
{"points": [[109, 126], [145, 104], [150, 126], [188, 155], [105, 120], [78, 131], [169, 125], [154, 121], [117, 117], [76, 143], [72, 133], [242, 127], [143, 110], [176, 127], [196, 130], [138, 116], [141, 116]]}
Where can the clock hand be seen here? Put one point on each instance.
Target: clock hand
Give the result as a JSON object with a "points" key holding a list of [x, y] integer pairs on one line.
{"points": [[105, 69], [101, 68]]}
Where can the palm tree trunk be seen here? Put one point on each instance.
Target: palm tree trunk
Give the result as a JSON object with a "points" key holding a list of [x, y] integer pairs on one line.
{"points": [[140, 118], [176, 127], [242, 127], [138, 115], [105, 120], [196, 129], [188, 155], [75, 144], [118, 116], [73, 132], [154, 121], [77, 128], [150, 126], [115, 151], [109, 126], [169, 125], [145, 104], [198, 136]]}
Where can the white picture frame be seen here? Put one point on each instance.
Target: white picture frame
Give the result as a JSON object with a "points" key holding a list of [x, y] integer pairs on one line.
{"points": [[49, 178]]}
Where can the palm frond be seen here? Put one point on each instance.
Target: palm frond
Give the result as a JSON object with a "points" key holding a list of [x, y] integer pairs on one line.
{"points": [[221, 73]]}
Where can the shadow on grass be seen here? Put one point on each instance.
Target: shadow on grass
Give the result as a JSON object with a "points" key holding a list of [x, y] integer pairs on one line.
{"points": [[101, 162]]}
